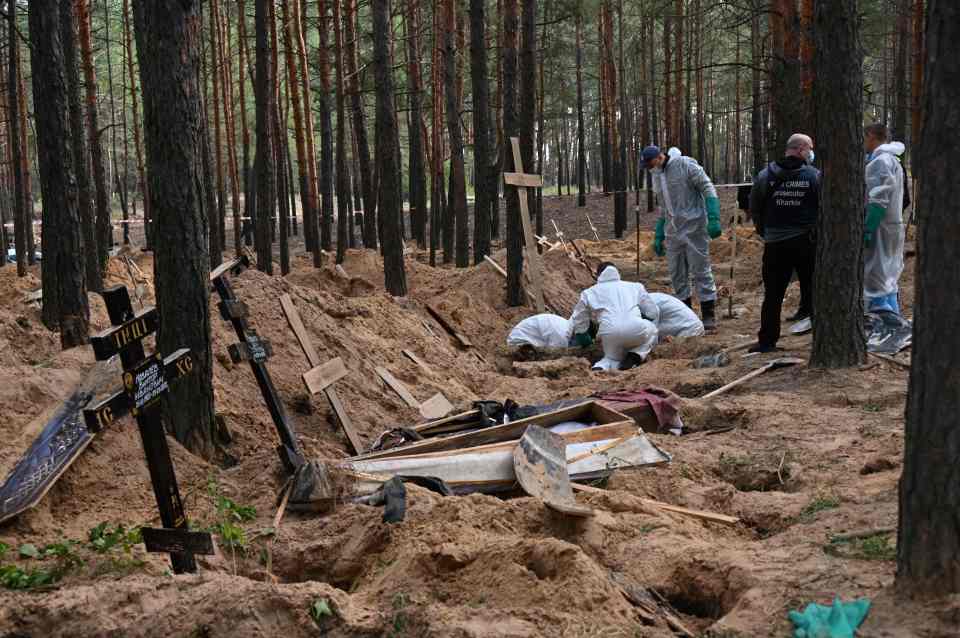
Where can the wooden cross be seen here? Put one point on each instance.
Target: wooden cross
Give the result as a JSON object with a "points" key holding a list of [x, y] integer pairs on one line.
{"points": [[145, 381], [523, 181], [256, 351]]}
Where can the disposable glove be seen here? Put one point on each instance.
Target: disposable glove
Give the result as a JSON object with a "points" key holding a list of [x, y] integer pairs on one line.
{"points": [[713, 218], [875, 215], [658, 239], [584, 340]]}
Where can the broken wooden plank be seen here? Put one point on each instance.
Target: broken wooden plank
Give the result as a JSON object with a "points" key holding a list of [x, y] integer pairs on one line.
{"points": [[884, 357], [323, 376], [436, 407], [703, 515], [397, 386], [470, 419], [340, 413], [523, 179], [449, 327], [417, 360]]}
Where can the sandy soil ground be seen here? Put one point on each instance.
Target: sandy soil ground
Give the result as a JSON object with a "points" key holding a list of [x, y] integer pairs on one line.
{"points": [[802, 456]]}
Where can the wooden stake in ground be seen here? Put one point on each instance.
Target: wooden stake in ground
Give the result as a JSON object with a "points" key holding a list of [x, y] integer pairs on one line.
{"points": [[522, 181]]}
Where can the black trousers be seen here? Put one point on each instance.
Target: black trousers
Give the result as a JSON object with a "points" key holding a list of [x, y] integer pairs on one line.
{"points": [[780, 259]]}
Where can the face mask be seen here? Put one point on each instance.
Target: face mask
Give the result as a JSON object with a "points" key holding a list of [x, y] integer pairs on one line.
{"points": [[811, 157]]}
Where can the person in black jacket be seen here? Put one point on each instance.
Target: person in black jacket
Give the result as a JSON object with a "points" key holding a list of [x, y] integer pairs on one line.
{"points": [[784, 204]]}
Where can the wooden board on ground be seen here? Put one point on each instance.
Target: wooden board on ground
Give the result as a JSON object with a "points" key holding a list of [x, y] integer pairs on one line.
{"points": [[711, 517], [340, 413], [449, 327], [540, 463], [323, 376], [397, 386], [417, 360], [436, 407]]}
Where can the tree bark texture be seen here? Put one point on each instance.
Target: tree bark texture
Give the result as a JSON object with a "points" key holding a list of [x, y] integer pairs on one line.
{"points": [[81, 164], [170, 30], [264, 161], [62, 274], [135, 124], [581, 133], [928, 545], [418, 169], [326, 128], [510, 129], [481, 131], [21, 217], [343, 176], [456, 229], [390, 206], [352, 78], [838, 333]]}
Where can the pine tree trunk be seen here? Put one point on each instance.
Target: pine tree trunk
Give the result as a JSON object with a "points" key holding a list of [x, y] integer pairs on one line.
{"points": [[169, 30], [293, 87], [388, 162], [217, 216], [249, 205], [436, 141], [528, 93], [103, 226], [264, 160], [581, 142], [369, 188], [343, 177], [481, 131], [916, 85], [311, 216], [326, 128], [510, 129], [21, 218], [135, 124], [81, 164], [900, 83], [756, 111], [25, 166], [418, 169], [457, 228], [838, 334], [63, 277], [209, 195], [929, 526]]}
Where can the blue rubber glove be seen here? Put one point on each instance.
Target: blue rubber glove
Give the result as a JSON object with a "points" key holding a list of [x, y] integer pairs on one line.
{"points": [[658, 239], [875, 215], [839, 620], [713, 218]]}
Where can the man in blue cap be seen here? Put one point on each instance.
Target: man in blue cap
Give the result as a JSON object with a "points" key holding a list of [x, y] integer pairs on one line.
{"points": [[689, 217]]}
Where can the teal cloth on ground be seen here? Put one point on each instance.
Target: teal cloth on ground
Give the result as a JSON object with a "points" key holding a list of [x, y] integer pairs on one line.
{"points": [[839, 620]]}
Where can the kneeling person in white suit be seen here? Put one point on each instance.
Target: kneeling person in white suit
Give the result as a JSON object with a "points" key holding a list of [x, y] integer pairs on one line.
{"points": [[676, 317], [626, 315], [542, 331]]}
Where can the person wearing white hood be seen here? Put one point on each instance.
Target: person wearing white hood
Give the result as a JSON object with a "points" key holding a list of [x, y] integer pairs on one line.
{"points": [[689, 218], [676, 318], [626, 315], [884, 229]]}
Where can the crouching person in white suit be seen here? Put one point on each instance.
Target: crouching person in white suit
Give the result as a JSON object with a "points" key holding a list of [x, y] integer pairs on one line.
{"points": [[542, 331], [626, 315], [676, 317]]}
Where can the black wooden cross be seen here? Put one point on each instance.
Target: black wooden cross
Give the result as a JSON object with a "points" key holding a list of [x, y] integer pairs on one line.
{"points": [[145, 381], [256, 350]]}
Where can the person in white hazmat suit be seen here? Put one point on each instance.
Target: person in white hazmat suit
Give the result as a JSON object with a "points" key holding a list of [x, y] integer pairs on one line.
{"points": [[676, 318], [545, 330], [689, 218], [884, 229], [626, 315]]}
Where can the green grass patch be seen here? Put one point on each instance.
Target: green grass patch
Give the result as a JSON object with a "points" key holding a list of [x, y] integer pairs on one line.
{"points": [[875, 547], [821, 503]]}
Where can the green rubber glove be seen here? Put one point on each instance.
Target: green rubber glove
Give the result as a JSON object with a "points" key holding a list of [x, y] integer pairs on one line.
{"points": [[713, 218], [658, 239], [584, 340], [875, 215]]}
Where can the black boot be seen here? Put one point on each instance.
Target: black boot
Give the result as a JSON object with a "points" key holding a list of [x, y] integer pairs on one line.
{"points": [[709, 317], [631, 361]]}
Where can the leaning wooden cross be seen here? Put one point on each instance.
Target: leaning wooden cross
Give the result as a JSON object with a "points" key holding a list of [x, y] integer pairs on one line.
{"points": [[523, 181], [256, 351], [145, 381]]}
